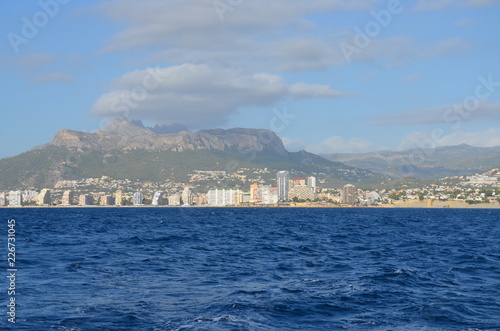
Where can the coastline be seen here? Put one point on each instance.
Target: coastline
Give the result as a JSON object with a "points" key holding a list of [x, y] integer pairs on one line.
{"points": [[415, 204]]}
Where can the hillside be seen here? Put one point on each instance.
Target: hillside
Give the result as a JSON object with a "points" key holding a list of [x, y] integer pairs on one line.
{"points": [[123, 150], [425, 163]]}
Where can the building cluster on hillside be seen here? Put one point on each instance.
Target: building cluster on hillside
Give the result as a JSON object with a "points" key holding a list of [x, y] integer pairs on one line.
{"points": [[282, 189]]}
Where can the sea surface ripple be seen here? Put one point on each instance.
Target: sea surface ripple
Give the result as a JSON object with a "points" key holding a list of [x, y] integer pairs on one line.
{"points": [[255, 269]]}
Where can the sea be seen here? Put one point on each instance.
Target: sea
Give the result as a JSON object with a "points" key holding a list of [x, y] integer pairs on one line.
{"points": [[252, 269]]}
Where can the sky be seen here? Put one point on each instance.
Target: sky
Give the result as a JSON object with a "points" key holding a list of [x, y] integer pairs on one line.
{"points": [[328, 76]]}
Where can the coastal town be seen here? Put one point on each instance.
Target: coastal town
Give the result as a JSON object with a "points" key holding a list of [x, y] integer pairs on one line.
{"points": [[263, 188]]}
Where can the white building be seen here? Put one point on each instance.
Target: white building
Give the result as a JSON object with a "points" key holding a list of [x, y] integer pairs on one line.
{"points": [[269, 195], [283, 183], [15, 198], [174, 200], [311, 182], [157, 198], [187, 197], [138, 197], [224, 197]]}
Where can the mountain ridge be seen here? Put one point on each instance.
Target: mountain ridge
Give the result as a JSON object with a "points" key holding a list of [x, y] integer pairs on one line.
{"points": [[121, 134], [444, 161], [124, 150]]}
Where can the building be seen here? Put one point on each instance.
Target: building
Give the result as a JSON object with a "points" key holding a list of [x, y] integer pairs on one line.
{"points": [[29, 195], [44, 198], [138, 198], [67, 198], [269, 195], [201, 199], [348, 194], [15, 198], [119, 198], [174, 200], [253, 188], [372, 197], [157, 197], [282, 181], [107, 200], [187, 197], [85, 200], [311, 182], [242, 197], [302, 192], [3, 200], [223, 197], [299, 182]]}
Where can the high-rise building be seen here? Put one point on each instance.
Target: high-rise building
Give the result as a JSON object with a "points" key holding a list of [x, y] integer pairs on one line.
{"points": [[119, 197], [138, 197], [311, 182], [15, 198], [223, 197], [269, 195], [107, 200], [174, 200], [43, 198], [348, 194], [157, 198], [201, 199], [253, 189], [67, 198], [85, 200], [187, 197], [283, 178], [29, 195]]}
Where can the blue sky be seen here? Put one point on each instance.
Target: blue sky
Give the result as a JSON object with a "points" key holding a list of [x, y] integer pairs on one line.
{"points": [[330, 76]]}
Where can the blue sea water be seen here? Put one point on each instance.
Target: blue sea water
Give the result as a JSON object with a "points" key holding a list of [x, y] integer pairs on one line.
{"points": [[254, 269]]}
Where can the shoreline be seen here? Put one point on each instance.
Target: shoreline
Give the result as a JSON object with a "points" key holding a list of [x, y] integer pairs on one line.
{"points": [[425, 204]]}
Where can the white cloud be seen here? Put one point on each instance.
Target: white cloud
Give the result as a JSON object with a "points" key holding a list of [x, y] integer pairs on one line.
{"points": [[302, 90], [481, 3], [258, 35], [53, 77], [451, 114], [197, 95], [411, 78], [401, 50], [293, 145], [464, 22], [336, 144], [196, 24], [426, 5], [418, 139], [429, 5]]}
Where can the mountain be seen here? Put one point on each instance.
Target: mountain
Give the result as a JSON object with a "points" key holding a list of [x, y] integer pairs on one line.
{"points": [[425, 163], [125, 150]]}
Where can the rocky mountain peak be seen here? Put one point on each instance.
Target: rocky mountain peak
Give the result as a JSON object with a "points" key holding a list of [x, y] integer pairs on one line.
{"points": [[122, 127]]}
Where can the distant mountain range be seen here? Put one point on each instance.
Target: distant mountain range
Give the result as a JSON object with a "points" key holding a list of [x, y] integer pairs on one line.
{"points": [[129, 150], [425, 163]]}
